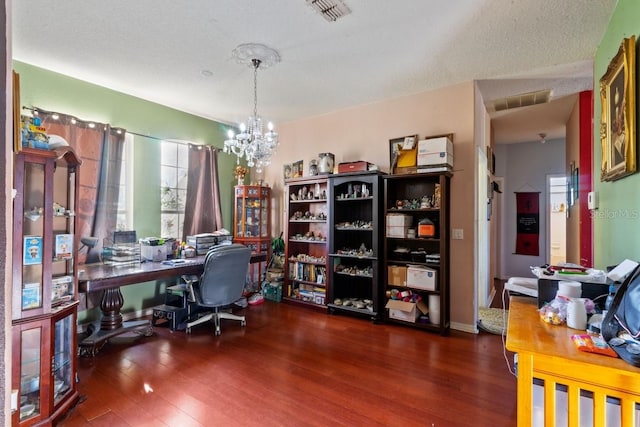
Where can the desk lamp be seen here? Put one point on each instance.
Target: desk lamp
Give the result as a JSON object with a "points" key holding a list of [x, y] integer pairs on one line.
{"points": [[88, 242]]}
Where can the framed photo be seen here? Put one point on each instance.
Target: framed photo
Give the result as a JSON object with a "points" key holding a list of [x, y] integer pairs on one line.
{"points": [[64, 246], [31, 296], [618, 121], [296, 169], [287, 170], [32, 250]]}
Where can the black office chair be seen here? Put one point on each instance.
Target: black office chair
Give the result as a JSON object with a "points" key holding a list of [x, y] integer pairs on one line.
{"points": [[221, 284]]}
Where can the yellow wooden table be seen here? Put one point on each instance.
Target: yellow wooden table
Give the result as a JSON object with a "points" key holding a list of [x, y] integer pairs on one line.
{"points": [[607, 388]]}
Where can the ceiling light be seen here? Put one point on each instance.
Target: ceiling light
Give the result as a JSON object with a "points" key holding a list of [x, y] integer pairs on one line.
{"points": [[330, 10], [251, 143], [543, 137]]}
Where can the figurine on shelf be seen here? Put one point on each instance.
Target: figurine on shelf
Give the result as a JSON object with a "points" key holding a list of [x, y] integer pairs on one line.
{"points": [[436, 197], [425, 203], [240, 173]]}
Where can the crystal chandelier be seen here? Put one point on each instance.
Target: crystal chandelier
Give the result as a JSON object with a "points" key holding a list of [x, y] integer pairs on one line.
{"points": [[257, 147]]}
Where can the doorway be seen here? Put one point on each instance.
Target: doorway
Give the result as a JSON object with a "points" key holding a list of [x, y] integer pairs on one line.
{"points": [[557, 219]]}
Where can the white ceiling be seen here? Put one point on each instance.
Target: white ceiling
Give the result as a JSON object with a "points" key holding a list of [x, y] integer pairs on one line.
{"points": [[157, 50]]}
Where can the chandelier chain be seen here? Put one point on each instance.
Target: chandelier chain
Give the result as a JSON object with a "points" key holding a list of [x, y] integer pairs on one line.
{"points": [[255, 87]]}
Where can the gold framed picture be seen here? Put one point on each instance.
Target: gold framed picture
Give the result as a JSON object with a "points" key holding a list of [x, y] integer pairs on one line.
{"points": [[17, 123], [618, 121]]}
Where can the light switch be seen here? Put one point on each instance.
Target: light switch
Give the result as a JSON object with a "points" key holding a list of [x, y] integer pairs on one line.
{"points": [[592, 200], [457, 234]]}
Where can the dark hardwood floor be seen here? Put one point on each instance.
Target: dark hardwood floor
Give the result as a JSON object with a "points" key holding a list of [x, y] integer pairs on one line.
{"points": [[293, 366]]}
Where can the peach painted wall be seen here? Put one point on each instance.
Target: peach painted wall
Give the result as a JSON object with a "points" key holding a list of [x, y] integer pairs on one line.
{"points": [[363, 133]]}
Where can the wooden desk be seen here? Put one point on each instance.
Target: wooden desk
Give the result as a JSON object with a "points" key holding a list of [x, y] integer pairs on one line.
{"points": [[109, 279], [546, 352]]}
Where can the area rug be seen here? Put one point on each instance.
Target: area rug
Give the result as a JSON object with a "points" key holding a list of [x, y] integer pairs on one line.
{"points": [[493, 320]]}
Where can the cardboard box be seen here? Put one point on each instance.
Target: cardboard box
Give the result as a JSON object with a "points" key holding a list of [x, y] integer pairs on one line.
{"points": [[421, 277], [397, 275], [406, 311], [435, 152], [359, 166]]}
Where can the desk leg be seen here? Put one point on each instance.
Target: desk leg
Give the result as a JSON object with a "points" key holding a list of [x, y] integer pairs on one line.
{"points": [[111, 324], [112, 302]]}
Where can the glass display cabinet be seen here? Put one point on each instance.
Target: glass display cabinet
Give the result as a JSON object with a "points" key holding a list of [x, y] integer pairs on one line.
{"points": [[252, 223], [45, 291]]}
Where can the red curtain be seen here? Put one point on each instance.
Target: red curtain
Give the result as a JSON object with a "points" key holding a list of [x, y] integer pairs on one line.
{"points": [[528, 223]]}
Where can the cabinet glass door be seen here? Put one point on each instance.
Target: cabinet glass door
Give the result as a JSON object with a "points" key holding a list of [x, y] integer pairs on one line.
{"points": [[250, 222], [32, 236], [252, 213], [63, 270], [63, 357], [264, 216], [30, 363]]}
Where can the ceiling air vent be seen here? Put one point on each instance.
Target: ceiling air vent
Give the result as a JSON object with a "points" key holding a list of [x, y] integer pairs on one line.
{"points": [[331, 10], [522, 100]]}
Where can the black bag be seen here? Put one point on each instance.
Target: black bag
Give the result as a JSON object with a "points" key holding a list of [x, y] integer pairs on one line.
{"points": [[624, 315]]}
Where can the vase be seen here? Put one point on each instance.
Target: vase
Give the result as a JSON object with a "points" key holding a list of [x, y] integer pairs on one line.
{"points": [[326, 163]]}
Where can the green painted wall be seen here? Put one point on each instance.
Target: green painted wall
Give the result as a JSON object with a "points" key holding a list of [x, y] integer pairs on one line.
{"points": [[55, 92], [617, 221]]}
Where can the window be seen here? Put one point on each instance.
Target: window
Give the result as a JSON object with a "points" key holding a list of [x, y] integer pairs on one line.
{"points": [[125, 193], [174, 164]]}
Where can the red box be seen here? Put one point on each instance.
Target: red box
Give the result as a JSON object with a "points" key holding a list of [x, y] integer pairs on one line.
{"points": [[359, 166]]}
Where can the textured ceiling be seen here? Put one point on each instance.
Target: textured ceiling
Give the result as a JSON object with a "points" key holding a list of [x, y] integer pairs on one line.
{"points": [[158, 49]]}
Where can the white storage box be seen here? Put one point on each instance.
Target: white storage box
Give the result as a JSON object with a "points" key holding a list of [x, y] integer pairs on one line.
{"points": [[397, 225], [399, 220], [153, 253], [397, 231], [421, 277], [435, 152]]}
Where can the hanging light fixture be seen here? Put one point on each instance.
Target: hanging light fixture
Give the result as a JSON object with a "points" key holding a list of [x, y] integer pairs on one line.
{"points": [[257, 147], [543, 137]]}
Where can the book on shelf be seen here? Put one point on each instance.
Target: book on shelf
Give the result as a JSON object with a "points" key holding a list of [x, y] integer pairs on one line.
{"points": [[32, 250]]}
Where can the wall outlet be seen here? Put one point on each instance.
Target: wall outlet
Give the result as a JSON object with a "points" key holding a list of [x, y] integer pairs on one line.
{"points": [[457, 234]]}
